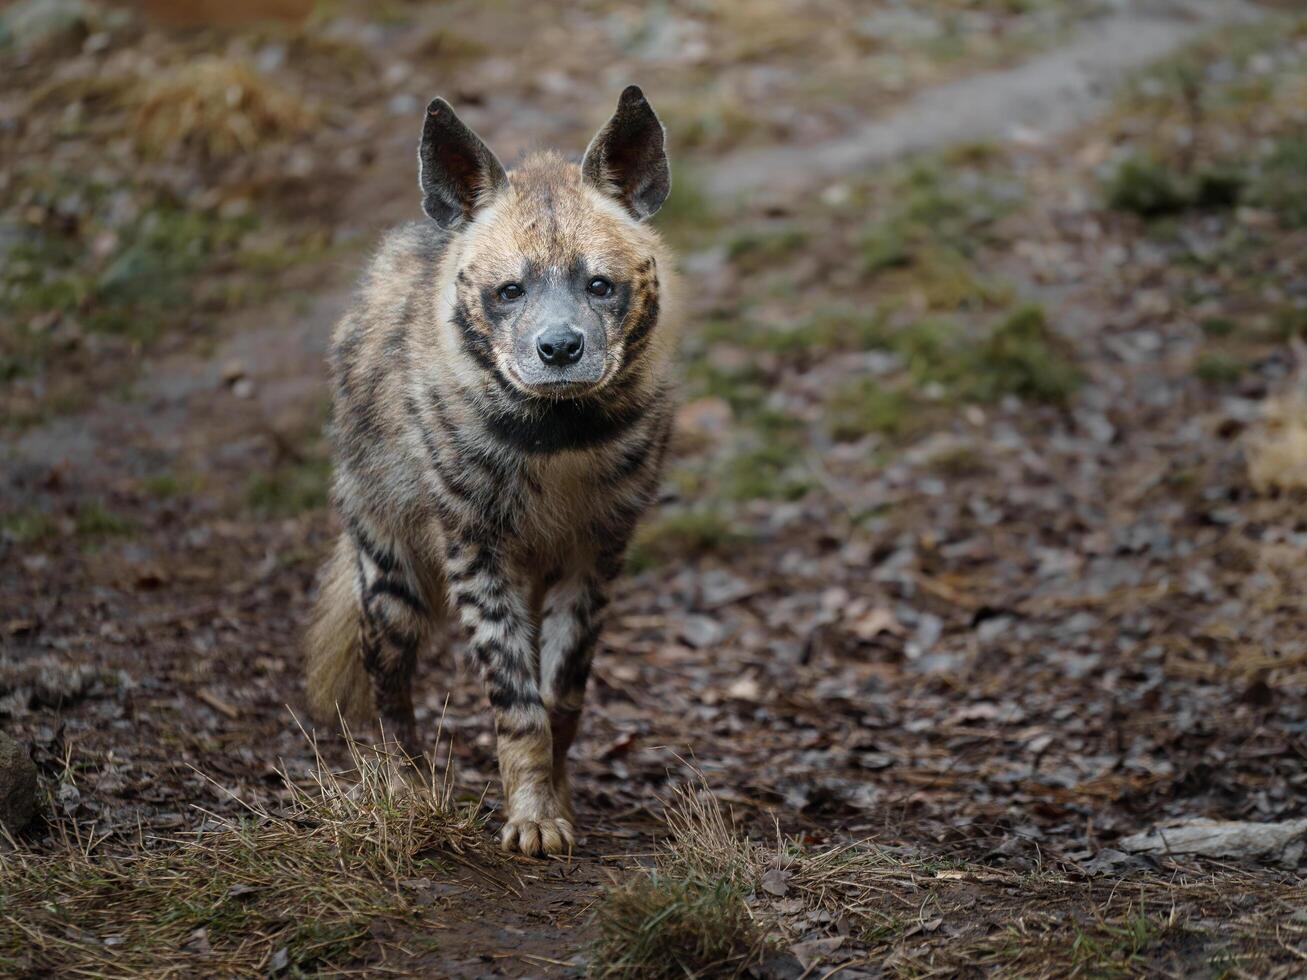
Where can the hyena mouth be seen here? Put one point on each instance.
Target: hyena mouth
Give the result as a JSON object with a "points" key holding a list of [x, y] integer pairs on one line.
{"points": [[557, 388]]}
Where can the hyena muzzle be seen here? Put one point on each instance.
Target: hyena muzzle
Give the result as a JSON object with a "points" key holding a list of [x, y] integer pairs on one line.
{"points": [[502, 407]]}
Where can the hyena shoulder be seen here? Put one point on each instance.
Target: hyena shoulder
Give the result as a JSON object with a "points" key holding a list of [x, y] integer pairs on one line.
{"points": [[371, 352], [390, 296]]}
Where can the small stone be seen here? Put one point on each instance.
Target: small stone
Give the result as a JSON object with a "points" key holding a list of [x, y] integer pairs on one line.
{"points": [[403, 104], [18, 782], [701, 631]]}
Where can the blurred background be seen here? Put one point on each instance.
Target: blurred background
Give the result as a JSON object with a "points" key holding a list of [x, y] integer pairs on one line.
{"points": [[984, 529]]}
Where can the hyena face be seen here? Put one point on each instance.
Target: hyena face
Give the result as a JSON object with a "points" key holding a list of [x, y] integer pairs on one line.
{"points": [[555, 276], [548, 282]]}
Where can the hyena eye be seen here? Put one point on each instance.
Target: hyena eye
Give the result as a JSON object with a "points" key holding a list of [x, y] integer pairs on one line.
{"points": [[599, 286], [510, 291]]}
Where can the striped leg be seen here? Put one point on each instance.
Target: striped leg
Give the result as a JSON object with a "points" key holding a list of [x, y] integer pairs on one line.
{"points": [[494, 610], [394, 623], [568, 631]]}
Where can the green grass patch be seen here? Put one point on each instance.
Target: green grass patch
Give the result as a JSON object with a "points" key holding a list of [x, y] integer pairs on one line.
{"points": [[1020, 355], [1290, 321], [867, 407], [1153, 188], [168, 485], [824, 332], [123, 257], [290, 489], [743, 386], [138, 284], [686, 218], [933, 349], [1219, 326], [887, 246], [708, 122], [959, 463], [677, 535], [1023, 356], [1113, 948], [1281, 185], [1147, 187], [95, 520], [1182, 85], [1217, 368], [754, 250], [933, 219], [26, 526], [767, 472], [948, 280]]}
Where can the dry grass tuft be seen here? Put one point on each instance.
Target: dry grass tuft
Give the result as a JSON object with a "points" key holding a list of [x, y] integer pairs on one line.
{"points": [[686, 916], [297, 890], [214, 108], [657, 926], [1276, 448]]}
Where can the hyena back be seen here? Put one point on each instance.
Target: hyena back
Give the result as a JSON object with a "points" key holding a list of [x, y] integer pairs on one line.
{"points": [[502, 407]]}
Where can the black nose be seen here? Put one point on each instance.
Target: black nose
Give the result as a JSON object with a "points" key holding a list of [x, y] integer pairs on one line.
{"points": [[560, 346]]}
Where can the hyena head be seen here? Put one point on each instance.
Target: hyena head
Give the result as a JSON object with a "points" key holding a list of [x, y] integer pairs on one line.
{"points": [[555, 289]]}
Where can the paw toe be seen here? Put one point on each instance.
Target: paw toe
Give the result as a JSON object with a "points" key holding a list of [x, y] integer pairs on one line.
{"points": [[538, 838]]}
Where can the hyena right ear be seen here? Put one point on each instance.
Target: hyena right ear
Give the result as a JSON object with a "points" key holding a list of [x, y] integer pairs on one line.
{"points": [[627, 158], [457, 172]]}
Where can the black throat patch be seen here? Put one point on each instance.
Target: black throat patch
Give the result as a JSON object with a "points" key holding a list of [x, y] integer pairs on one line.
{"points": [[559, 426]]}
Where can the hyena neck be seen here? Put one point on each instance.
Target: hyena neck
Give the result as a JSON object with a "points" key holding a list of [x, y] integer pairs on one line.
{"points": [[537, 426]]}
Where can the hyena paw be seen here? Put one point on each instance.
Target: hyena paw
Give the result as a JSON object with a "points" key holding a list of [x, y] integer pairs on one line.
{"points": [[538, 837]]}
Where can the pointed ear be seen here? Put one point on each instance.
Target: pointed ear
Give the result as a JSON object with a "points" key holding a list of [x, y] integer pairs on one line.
{"points": [[457, 172], [626, 159]]}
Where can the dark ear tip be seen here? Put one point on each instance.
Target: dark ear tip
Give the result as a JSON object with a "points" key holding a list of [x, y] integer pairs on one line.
{"points": [[439, 106], [632, 93]]}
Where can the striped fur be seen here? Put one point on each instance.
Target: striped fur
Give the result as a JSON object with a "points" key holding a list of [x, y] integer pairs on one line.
{"points": [[463, 495]]}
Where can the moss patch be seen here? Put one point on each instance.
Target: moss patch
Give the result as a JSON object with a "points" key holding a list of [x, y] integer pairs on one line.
{"points": [[1023, 356], [26, 526], [290, 489], [682, 534], [868, 407], [1217, 368], [1281, 186]]}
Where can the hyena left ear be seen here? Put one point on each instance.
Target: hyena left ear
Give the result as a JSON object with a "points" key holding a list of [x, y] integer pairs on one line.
{"points": [[626, 158], [457, 172]]}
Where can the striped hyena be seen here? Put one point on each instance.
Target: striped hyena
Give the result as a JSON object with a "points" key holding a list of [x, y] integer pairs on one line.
{"points": [[502, 407]]}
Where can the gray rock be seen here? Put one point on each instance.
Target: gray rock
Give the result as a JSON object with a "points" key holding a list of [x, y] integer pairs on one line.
{"points": [[18, 785], [1282, 841]]}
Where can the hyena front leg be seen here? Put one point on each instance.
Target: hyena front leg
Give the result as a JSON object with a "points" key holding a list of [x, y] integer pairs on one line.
{"points": [[395, 621], [494, 608], [569, 629]]}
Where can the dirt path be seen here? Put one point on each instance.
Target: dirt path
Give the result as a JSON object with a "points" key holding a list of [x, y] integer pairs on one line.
{"points": [[1042, 98]]}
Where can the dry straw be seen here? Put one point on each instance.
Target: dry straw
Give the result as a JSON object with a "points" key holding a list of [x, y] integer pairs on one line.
{"points": [[296, 888]]}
